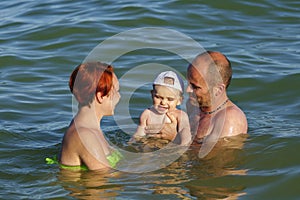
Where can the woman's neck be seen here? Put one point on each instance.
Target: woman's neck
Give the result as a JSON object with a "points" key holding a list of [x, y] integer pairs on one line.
{"points": [[87, 117]]}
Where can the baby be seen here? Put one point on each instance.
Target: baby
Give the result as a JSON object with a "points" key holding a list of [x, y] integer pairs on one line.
{"points": [[167, 93]]}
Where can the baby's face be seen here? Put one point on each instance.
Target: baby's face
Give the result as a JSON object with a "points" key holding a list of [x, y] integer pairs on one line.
{"points": [[165, 99]]}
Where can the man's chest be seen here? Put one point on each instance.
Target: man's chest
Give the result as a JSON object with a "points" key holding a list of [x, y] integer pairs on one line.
{"points": [[204, 125]]}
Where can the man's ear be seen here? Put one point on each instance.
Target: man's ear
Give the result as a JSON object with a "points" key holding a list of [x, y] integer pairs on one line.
{"points": [[219, 89], [99, 97]]}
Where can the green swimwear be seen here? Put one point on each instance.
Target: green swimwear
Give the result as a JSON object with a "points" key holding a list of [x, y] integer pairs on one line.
{"points": [[113, 160]]}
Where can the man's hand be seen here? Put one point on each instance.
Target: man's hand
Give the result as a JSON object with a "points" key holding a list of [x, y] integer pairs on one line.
{"points": [[166, 131]]}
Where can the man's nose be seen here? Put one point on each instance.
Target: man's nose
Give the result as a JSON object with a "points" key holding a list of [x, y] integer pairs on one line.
{"points": [[189, 89]]}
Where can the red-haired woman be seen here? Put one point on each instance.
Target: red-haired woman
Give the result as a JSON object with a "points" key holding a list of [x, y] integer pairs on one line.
{"points": [[96, 88]]}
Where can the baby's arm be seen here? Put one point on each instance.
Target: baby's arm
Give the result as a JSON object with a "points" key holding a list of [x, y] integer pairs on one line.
{"points": [[184, 130]]}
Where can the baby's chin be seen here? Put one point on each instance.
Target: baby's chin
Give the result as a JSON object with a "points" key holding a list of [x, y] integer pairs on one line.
{"points": [[160, 110]]}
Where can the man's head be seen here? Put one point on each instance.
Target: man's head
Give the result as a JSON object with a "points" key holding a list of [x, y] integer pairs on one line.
{"points": [[209, 74], [214, 65]]}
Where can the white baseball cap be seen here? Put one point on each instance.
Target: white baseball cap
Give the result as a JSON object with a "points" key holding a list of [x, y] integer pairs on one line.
{"points": [[169, 79]]}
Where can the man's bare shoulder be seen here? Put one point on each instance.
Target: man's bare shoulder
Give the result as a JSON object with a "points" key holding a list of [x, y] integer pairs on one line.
{"points": [[234, 119], [237, 112], [234, 111]]}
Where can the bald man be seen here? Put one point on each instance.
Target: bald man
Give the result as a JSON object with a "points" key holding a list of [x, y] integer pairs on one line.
{"points": [[211, 110], [212, 114]]}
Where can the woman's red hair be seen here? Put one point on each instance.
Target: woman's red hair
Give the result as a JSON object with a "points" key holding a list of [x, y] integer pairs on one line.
{"points": [[89, 78]]}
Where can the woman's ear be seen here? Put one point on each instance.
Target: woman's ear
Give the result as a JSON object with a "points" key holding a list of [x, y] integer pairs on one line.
{"points": [[99, 97], [219, 89]]}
